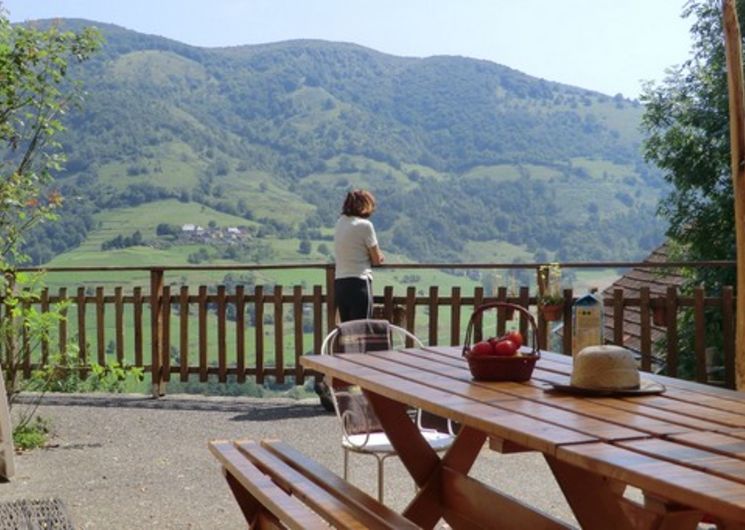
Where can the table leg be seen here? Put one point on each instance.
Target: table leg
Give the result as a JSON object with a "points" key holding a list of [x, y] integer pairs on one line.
{"points": [[595, 500], [422, 462], [660, 515], [250, 507], [598, 503], [458, 460]]}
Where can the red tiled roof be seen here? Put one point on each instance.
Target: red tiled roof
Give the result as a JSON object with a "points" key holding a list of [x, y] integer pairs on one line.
{"points": [[658, 280]]}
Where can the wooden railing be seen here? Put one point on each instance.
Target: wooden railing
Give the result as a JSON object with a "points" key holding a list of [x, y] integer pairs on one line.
{"points": [[261, 332]]}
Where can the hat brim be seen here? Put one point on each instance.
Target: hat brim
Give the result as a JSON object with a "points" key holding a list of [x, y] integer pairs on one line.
{"points": [[646, 387]]}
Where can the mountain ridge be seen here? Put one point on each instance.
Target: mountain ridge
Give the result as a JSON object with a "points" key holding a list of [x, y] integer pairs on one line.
{"points": [[301, 121]]}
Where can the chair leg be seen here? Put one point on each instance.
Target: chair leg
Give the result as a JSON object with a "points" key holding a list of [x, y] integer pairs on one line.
{"points": [[346, 463], [381, 461]]}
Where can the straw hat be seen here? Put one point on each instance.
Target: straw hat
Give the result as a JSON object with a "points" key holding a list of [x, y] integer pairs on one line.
{"points": [[601, 370]]}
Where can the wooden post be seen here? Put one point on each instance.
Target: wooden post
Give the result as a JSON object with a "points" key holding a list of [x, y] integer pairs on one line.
{"points": [[7, 468], [733, 48], [156, 331]]}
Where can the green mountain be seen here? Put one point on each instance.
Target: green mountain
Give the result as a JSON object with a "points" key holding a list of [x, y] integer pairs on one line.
{"points": [[469, 160]]}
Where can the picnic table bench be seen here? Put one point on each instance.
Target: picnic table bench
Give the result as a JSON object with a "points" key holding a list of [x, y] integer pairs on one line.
{"points": [[276, 486]]}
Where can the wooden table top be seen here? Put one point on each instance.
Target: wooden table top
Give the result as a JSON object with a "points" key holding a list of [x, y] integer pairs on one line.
{"points": [[686, 445]]}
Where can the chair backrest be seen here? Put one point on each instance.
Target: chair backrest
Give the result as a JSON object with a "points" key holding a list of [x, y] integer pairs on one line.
{"points": [[359, 336], [365, 335]]}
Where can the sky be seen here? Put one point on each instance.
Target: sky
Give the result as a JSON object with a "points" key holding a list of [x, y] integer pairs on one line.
{"points": [[610, 46]]}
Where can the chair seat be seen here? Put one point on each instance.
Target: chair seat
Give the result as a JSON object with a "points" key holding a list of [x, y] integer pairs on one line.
{"points": [[377, 442]]}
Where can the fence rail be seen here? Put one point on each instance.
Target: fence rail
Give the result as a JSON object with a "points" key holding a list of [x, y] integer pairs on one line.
{"points": [[261, 332]]}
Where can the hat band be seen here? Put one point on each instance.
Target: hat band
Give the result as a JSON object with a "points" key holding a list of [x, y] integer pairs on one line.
{"points": [[609, 388]]}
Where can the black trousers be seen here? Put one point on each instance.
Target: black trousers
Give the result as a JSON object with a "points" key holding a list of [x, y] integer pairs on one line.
{"points": [[353, 298]]}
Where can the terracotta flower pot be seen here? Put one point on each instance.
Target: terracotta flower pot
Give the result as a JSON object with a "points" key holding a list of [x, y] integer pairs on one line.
{"points": [[552, 312]]}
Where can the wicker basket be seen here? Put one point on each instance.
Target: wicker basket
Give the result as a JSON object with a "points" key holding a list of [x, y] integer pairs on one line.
{"points": [[494, 368]]}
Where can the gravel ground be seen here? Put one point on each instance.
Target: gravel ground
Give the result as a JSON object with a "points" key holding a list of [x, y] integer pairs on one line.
{"points": [[130, 462]]}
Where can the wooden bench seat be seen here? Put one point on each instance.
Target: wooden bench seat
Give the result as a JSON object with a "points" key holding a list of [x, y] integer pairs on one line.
{"points": [[276, 486]]}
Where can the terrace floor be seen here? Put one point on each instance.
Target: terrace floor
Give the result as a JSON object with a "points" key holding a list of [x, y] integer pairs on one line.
{"points": [[130, 462]]}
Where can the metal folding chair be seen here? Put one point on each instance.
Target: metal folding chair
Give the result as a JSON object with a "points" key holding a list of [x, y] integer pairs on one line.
{"points": [[361, 429]]}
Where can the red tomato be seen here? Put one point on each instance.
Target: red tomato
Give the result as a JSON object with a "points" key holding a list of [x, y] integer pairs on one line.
{"points": [[515, 337], [481, 348], [504, 348]]}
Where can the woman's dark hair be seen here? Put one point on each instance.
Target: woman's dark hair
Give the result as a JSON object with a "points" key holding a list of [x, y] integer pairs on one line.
{"points": [[359, 203]]}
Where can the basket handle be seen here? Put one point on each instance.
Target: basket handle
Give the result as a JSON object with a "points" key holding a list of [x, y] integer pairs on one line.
{"points": [[494, 305]]}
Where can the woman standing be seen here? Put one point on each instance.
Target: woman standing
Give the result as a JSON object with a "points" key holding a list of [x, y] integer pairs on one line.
{"points": [[356, 251]]}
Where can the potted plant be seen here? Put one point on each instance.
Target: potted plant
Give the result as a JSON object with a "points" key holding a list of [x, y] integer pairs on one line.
{"points": [[550, 296]]}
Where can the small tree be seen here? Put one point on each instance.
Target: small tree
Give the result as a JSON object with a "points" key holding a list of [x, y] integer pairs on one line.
{"points": [[34, 95], [304, 247], [686, 124]]}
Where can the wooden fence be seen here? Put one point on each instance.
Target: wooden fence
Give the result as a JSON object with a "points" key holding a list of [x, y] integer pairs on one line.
{"points": [[261, 332]]}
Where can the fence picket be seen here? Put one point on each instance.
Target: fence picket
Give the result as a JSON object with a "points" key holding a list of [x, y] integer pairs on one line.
{"points": [[297, 310], [44, 307], [568, 330], [317, 318], [222, 362], [671, 305], [388, 311], [728, 335], [100, 338], [119, 324], [645, 329], [501, 312], [434, 301], [410, 313], [525, 302], [165, 349], [26, 344], [202, 305], [240, 333], [279, 352], [82, 345], [478, 299], [699, 324], [393, 308], [618, 311], [62, 326], [259, 301], [183, 344], [455, 316], [137, 318]]}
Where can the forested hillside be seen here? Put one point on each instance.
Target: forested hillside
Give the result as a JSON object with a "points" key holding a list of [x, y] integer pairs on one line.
{"points": [[465, 156]]}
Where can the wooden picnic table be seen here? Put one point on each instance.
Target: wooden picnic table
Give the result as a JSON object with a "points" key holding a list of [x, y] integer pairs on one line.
{"points": [[684, 449]]}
